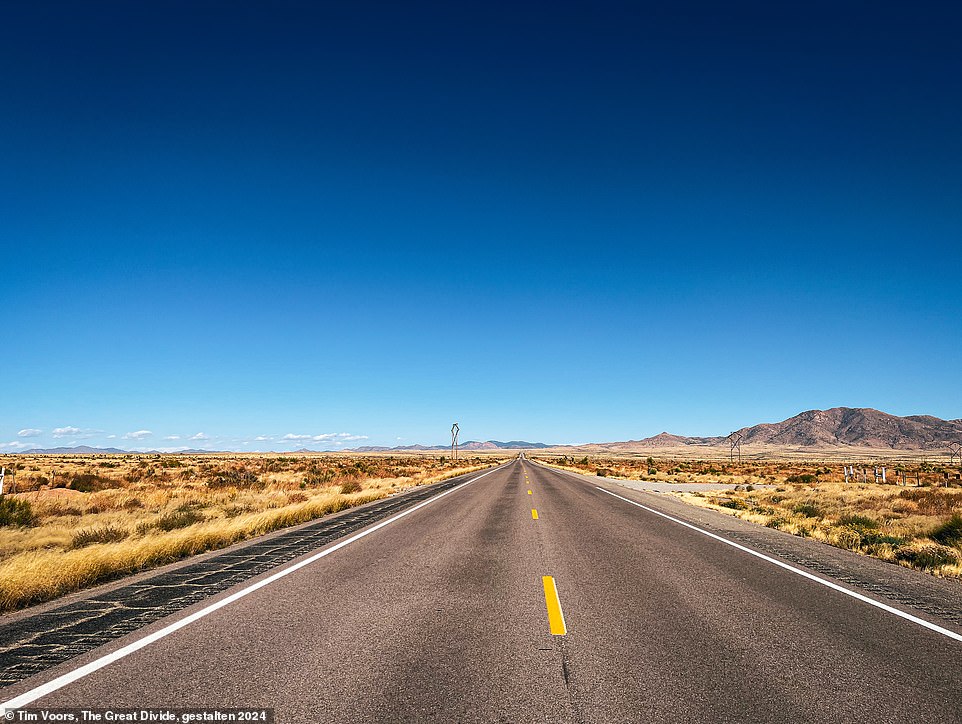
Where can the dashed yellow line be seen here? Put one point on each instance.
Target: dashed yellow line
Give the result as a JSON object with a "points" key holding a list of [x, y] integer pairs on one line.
{"points": [[534, 514], [529, 492], [556, 619]]}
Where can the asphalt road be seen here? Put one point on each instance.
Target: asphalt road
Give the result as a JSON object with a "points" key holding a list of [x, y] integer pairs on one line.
{"points": [[442, 615]]}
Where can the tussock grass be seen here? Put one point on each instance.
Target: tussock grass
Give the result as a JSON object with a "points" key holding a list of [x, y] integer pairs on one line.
{"points": [[143, 516], [915, 530]]}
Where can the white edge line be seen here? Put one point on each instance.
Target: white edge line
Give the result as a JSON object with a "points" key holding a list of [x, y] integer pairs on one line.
{"points": [[72, 676], [799, 571]]}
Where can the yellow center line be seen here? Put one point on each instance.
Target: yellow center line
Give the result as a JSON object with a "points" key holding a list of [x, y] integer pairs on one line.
{"points": [[534, 514], [529, 492], [556, 619]]}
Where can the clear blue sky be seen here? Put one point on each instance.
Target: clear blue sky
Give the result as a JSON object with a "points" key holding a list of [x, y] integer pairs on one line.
{"points": [[555, 222]]}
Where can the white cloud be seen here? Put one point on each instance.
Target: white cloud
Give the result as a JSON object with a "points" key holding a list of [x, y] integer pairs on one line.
{"points": [[138, 435], [111, 437], [199, 436], [172, 437], [15, 445], [30, 432], [324, 437], [70, 431], [263, 438]]}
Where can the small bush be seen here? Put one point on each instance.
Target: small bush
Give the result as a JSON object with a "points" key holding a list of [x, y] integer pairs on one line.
{"points": [[876, 539], [733, 503], [805, 478], [15, 512], [319, 478], [350, 486], [932, 501], [949, 533], [178, 519], [603, 472], [89, 483], [858, 522], [104, 534], [808, 510], [241, 478], [929, 556]]}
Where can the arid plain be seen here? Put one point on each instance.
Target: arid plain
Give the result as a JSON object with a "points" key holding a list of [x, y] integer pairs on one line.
{"points": [[79, 520]]}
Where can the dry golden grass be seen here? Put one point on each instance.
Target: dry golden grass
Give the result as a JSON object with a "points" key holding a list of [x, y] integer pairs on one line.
{"points": [[136, 512], [917, 527]]}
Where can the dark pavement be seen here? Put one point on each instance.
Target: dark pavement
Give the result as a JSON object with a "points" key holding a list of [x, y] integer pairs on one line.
{"points": [[441, 616]]}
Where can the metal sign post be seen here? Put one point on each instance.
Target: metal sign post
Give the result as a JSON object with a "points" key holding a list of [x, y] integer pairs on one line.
{"points": [[454, 440]]}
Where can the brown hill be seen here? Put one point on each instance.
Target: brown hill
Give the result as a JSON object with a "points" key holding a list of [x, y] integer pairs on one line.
{"points": [[859, 427], [661, 440]]}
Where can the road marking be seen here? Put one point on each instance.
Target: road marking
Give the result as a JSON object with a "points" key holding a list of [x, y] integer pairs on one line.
{"points": [[799, 571], [534, 514], [556, 619], [529, 492], [72, 676]]}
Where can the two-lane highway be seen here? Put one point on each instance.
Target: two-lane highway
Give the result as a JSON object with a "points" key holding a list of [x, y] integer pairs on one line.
{"points": [[525, 595]]}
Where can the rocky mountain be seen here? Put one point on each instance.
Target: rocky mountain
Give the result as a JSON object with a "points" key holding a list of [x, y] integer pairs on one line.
{"points": [[840, 426], [87, 450], [859, 427]]}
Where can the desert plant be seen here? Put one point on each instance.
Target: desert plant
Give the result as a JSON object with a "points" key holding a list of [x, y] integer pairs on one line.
{"points": [[178, 519], [927, 556], [350, 486], [15, 512], [858, 522], [89, 483], [103, 534], [949, 533], [806, 509]]}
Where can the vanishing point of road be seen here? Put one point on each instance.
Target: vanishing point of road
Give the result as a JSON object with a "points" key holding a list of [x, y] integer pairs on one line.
{"points": [[529, 594]]}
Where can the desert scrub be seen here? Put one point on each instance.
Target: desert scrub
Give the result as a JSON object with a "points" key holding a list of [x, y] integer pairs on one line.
{"points": [[66, 539], [15, 512], [919, 528], [350, 486], [180, 518], [103, 534], [949, 533]]}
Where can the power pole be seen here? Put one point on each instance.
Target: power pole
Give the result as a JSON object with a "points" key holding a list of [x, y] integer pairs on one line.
{"points": [[955, 448], [735, 440], [454, 440]]}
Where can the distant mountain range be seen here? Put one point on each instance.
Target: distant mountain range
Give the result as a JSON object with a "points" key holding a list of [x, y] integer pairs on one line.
{"points": [[87, 450], [472, 445], [860, 427], [821, 429]]}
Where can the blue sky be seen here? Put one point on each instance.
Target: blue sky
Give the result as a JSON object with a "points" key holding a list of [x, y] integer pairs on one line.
{"points": [[324, 225]]}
